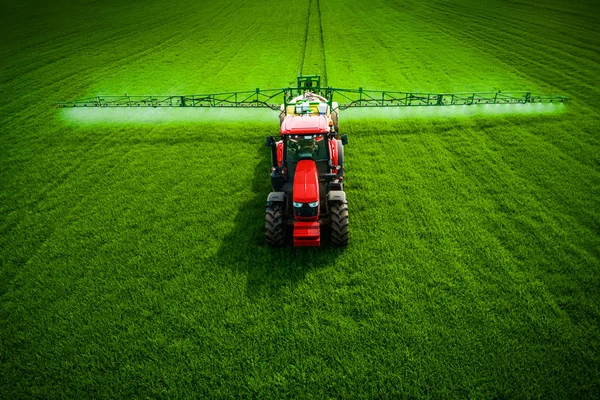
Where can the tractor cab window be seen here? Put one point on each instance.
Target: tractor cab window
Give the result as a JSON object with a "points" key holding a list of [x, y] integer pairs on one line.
{"points": [[302, 147]]}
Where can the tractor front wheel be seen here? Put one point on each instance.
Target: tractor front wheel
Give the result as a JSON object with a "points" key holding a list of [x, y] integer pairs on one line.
{"points": [[339, 224], [274, 228]]}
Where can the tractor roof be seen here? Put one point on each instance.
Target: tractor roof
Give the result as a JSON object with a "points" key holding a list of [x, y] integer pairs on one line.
{"points": [[299, 124]]}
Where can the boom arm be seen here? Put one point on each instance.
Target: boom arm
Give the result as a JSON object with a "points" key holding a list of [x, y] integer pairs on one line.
{"points": [[376, 98], [272, 98], [257, 98]]}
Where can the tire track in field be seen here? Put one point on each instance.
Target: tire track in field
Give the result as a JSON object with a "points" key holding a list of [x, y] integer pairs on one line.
{"points": [[301, 66], [322, 44], [314, 60]]}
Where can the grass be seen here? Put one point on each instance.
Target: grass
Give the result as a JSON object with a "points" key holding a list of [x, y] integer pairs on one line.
{"points": [[133, 261]]}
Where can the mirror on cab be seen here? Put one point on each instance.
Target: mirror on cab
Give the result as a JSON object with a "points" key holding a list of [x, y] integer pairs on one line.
{"points": [[270, 141], [344, 140]]}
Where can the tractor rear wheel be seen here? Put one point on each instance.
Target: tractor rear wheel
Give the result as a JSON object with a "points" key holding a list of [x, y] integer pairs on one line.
{"points": [[274, 228], [339, 224]]}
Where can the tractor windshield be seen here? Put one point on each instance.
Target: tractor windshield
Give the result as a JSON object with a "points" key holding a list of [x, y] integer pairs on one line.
{"points": [[302, 147]]}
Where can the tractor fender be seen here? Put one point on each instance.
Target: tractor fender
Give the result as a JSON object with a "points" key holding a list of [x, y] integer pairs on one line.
{"points": [[336, 153], [275, 197], [336, 195], [333, 152]]}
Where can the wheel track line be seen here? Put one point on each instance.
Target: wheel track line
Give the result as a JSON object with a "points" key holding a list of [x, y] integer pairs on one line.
{"points": [[305, 39], [324, 61], [321, 40]]}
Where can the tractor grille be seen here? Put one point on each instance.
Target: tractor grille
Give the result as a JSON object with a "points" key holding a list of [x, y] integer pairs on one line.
{"points": [[306, 211]]}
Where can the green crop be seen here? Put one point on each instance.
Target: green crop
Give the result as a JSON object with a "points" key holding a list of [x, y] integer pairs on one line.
{"points": [[132, 253]]}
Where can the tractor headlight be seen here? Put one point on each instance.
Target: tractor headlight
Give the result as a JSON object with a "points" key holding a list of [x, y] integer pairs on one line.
{"points": [[311, 204], [306, 210]]}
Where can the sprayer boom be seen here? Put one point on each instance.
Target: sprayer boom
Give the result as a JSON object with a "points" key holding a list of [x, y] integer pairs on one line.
{"points": [[345, 98]]}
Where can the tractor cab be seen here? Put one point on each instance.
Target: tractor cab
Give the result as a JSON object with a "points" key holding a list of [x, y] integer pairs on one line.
{"points": [[306, 147]]}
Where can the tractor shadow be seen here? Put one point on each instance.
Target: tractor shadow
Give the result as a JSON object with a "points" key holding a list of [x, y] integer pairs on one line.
{"points": [[245, 251]]}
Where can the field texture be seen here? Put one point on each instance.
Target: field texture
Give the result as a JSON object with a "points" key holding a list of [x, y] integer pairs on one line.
{"points": [[132, 255]]}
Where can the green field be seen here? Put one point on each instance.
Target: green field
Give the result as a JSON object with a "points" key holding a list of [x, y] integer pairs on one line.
{"points": [[132, 254]]}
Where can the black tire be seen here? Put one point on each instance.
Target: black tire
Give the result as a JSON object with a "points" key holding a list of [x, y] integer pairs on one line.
{"points": [[339, 224], [274, 228]]}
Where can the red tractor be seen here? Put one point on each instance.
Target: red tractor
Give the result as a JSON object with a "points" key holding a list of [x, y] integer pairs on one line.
{"points": [[307, 174]]}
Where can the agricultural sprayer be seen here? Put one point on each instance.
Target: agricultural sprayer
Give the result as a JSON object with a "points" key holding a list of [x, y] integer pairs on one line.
{"points": [[307, 171]]}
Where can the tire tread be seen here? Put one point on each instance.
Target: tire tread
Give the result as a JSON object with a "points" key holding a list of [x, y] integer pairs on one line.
{"points": [[339, 224]]}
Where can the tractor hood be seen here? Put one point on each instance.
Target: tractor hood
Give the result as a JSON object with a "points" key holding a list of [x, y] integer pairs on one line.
{"points": [[306, 182]]}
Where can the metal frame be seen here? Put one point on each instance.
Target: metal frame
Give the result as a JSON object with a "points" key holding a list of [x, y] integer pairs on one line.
{"points": [[377, 98], [273, 98]]}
